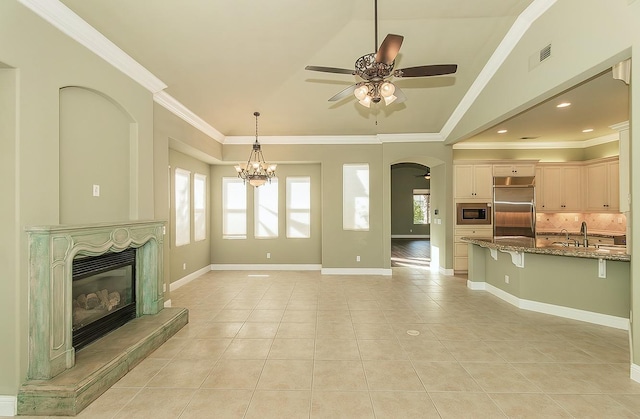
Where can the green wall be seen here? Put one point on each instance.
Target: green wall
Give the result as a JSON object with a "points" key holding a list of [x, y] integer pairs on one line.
{"points": [[95, 149], [194, 256], [45, 61], [11, 288], [404, 179], [558, 280]]}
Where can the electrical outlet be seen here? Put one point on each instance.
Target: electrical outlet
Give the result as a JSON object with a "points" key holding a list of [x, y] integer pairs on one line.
{"points": [[575, 218], [506, 279], [96, 190], [268, 255], [619, 220], [184, 266], [357, 258]]}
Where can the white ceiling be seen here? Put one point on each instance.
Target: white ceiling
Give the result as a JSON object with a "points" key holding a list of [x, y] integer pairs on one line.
{"points": [[225, 59]]}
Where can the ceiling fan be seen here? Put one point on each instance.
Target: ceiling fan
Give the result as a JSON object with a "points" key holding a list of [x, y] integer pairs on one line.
{"points": [[377, 68], [426, 175]]}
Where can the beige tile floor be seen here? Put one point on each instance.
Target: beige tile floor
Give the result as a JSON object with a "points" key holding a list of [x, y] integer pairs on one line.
{"points": [[303, 345]]}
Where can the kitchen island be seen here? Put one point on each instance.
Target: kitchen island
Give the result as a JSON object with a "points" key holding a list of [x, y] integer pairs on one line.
{"points": [[589, 284]]}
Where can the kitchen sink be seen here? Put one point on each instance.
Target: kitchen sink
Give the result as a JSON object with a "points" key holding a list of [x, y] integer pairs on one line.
{"points": [[564, 244]]}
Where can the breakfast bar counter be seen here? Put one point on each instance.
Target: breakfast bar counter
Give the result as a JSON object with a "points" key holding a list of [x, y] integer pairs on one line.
{"points": [[542, 247], [589, 284]]}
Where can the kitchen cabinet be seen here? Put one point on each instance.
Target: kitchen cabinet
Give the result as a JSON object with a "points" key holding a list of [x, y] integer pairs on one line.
{"points": [[602, 186], [560, 189], [514, 169], [473, 181], [460, 248]]}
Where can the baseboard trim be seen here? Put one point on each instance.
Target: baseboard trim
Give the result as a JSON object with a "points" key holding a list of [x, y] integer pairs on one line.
{"points": [[555, 310], [477, 286], [635, 372], [410, 236], [167, 303], [356, 271], [447, 272], [8, 405], [186, 279], [265, 267]]}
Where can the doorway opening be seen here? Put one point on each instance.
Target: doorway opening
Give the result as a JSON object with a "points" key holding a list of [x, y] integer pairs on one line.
{"points": [[410, 215]]}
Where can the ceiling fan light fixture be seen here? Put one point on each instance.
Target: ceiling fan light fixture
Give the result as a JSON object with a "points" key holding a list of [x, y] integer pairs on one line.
{"points": [[361, 92], [388, 100], [366, 101], [387, 89]]}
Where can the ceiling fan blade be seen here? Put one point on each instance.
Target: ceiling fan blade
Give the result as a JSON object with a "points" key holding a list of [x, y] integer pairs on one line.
{"points": [[426, 70], [400, 95], [346, 92], [329, 69], [389, 48]]}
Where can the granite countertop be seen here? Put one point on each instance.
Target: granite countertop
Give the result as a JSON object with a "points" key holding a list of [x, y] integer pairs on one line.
{"points": [[530, 245], [577, 233]]}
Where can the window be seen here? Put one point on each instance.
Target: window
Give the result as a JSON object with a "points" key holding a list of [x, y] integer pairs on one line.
{"points": [[183, 207], [421, 206], [355, 197], [298, 207], [234, 208], [199, 207], [266, 210]]}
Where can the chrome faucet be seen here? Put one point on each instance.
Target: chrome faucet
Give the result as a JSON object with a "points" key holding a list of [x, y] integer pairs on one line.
{"points": [[583, 231], [566, 234]]}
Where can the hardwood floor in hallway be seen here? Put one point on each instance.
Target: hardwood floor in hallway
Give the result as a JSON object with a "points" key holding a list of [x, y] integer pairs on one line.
{"points": [[410, 253]]}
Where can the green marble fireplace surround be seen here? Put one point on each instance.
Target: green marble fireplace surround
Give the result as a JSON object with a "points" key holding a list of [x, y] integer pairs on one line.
{"points": [[51, 253], [55, 385]]}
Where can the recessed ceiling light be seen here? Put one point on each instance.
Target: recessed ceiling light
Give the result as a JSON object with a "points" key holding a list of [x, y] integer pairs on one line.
{"points": [[502, 131], [588, 130], [563, 105]]}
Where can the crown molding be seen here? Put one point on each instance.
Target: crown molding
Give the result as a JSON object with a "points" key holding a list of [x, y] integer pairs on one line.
{"points": [[508, 43], [427, 137], [620, 126], [174, 106], [530, 145], [77, 29], [304, 140], [336, 139]]}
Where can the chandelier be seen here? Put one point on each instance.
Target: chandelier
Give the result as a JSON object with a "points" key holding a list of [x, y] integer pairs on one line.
{"points": [[256, 170]]}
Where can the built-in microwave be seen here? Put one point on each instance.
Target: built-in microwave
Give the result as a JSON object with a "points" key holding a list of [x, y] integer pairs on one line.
{"points": [[473, 213]]}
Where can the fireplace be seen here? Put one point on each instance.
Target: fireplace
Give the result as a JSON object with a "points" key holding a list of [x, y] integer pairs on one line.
{"points": [[56, 258], [83, 281], [103, 295]]}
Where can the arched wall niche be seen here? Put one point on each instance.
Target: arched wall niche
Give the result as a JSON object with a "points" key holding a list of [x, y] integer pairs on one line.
{"points": [[98, 158]]}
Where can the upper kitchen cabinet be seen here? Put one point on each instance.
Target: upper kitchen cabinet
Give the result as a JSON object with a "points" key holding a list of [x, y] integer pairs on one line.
{"points": [[602, 192], [473, 181], [559, 189], [520, 169]]}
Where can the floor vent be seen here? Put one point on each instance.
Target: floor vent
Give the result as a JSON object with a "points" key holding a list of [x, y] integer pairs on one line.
{"points": [[540, 56]]}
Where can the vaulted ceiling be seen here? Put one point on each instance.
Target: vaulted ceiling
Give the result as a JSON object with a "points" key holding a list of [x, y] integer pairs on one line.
{"points": [[225, 59]]}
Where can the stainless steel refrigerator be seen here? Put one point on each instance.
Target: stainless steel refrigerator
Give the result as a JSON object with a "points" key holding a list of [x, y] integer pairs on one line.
{"points": [[514, 206]]}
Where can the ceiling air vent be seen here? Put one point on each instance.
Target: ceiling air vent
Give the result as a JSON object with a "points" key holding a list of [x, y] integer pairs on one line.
{"points": [[538, 57]]}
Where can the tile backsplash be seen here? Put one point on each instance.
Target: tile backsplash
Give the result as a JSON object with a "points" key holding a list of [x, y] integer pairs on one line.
{"points": [[596, 222]]}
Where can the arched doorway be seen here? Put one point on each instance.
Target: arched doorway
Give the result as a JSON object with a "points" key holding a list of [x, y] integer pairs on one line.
{"points": [[410, 215]]}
